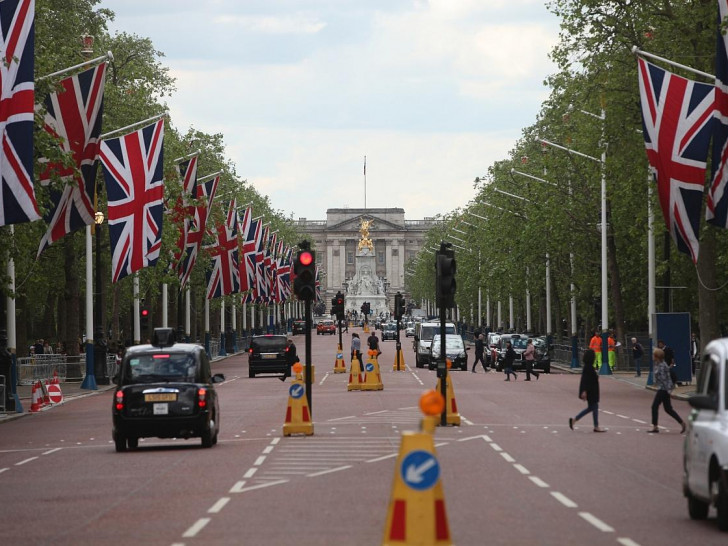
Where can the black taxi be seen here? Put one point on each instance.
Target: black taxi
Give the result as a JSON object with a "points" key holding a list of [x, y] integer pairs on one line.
{"points": [[165, 390]]}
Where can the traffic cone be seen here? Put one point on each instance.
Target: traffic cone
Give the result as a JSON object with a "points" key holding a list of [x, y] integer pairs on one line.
{"points": [[417, 513], [298, 415], [354, 375], [339, 365], [372, 377], [35, 399], [55, 380], [46, 397], [452, 415], [398, 365]]}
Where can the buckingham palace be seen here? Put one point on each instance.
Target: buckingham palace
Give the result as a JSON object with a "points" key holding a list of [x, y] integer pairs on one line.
{"points": [[396, 241]]}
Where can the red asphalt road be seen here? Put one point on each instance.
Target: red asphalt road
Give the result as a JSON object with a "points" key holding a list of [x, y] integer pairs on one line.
{"points": [[513, 472]]}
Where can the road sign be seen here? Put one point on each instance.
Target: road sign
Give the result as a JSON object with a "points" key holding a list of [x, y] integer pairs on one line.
{"points": [[420, 470], [54, 393], [369, 367], [296, 391]]}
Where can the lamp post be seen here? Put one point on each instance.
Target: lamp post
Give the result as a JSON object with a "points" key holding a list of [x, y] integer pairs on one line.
{"points": [[100, 344], [602, 160]]}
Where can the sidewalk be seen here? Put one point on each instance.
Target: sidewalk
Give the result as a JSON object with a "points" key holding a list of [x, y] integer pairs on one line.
{"points": [[70, 390]]}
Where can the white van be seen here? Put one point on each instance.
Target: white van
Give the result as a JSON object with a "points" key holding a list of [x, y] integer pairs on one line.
{"points": [[424, 332]]}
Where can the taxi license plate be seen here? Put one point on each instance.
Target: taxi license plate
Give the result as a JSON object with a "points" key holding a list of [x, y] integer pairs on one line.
{"points": [[161, 397], [161, 409], [268, 356]]}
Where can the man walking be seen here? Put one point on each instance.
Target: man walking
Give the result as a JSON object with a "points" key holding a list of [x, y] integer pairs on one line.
{"points": [[637, 353], [479, 352]]}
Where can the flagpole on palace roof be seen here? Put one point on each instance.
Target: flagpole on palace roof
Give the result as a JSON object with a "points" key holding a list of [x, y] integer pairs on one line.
{"points": [[637, 51], [109, 56], [365, 182], [197, 152], [148, 120]]}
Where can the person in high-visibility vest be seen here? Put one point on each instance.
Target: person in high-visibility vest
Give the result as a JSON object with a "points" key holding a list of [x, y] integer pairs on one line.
{"points": [[595, 344], [610, 350]]}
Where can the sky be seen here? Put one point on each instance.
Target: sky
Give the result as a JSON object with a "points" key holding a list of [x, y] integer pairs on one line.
{"points": [[431, 92]]}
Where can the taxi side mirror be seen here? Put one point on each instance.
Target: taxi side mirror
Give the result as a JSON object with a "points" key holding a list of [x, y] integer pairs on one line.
{"points": [[703, 402]]}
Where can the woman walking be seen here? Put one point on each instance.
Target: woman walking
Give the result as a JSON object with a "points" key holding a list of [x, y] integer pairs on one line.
{"points": [[589, 391], [508, 361], [529, 356], [355, 347], [664, 387]]}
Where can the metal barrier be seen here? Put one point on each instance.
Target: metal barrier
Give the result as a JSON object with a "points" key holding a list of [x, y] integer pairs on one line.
{"points": [[69, 368], [2, 393]]}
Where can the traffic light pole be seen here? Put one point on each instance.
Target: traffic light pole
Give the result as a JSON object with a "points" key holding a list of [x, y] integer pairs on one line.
{"points": [[308, 374], [398, 347], [442, 365]]}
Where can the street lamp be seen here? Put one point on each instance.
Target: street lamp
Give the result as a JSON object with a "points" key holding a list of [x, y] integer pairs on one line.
{"points": [[100, 344]]}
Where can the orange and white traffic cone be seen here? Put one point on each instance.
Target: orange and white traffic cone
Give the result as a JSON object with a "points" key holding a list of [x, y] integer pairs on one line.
{"points": [[55, 378], [354, 375], [35, 399], [298, 414], [46, 396], [372, 377], [339, 365]]}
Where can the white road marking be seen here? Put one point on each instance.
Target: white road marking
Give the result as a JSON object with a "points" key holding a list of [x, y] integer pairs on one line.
{"points": [[259, 486], [329, 471], [522, 469], [607, 412], [538, 481], [381, 458], [3, 470], [483, 436], [268, 449], [219, 505], [274, 441], [376, 412], [259, 461], [563, 499], [627, 542], [596, 522], [20, 463], [640, 421], [466, 421], [507, 457], [324, 378], [342, 418], [237, 488], [496, 446], [250, 473], [198, 526], [52, 451], [622, 416]]}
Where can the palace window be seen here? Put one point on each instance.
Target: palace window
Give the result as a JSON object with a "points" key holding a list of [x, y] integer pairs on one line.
{"points": [[350, 257]]}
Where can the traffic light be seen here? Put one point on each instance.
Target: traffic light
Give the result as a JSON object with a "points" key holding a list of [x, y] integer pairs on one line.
{"points": [[399, 307], [338, 305], [144, 318], [367, 307], [304, 267], [445, 282]]}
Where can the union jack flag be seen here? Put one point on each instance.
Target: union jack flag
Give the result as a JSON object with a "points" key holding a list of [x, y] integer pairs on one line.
{"points": [[73, 116], [205, 192], [261, 277], [183, 210], [135, 188], [17, 98], [269, 263], [223, 279], [253, 236], [676, 120], [283, 270], [717, 206]]}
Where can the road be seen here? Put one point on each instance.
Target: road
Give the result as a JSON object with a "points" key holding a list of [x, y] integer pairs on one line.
{"points": [[513, 472]]}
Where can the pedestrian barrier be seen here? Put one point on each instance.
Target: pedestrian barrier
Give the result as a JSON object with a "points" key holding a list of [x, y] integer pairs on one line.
{"points": [[339, 365], [417, 513], [2, 393]]}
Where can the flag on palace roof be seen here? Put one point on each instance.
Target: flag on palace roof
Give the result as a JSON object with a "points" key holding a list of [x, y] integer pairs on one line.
{"points": [[17, 194], [132, 167], [223, 278], [73, 116], [677, 117]]}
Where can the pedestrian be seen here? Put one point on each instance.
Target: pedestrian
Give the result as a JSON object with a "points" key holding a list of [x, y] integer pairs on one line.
{"points": [[373, 343], [664, 385], [595, 344], [479, 352], [611, 347], [529, 356], [508, 360], [589, 391], [291, 357], [637, 353], [355, 347], [669, 360], [39, 348]]}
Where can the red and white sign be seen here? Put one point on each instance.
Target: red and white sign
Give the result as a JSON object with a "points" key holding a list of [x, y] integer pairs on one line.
{"points": [[54, 393]]}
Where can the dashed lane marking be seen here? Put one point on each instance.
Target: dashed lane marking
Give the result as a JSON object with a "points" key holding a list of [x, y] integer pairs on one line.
{"points": [[259, 461], [563, 499], [218, 506], [507, 457], [240, 486], [20, 463], [522, 469], [496, 446], [198, 526], [538, 481], [624, 541], [250, 473], [329, 471], [596, 522]]}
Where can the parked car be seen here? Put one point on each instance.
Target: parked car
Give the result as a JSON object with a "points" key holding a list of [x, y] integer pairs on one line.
{"points": [[455, 350], [705, 453], [518, 341], [165, 390], [491, 349], [409, 329], [389, 331], [299, 327], [268, 354], [424, 331], [325, 326], [543, 354]]}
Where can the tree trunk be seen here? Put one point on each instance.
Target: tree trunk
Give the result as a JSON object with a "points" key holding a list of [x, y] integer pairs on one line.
{"points": [[615, 281], [707, 301]]}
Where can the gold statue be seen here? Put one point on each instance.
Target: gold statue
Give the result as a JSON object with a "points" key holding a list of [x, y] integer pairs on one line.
{"points": [[365, 241]]}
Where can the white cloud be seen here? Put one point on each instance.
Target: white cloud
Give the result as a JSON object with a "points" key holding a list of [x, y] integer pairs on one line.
{"points": [[297, 24]]}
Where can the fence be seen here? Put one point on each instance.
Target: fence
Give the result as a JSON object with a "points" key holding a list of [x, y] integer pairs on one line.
{"points": [[68, 368]]}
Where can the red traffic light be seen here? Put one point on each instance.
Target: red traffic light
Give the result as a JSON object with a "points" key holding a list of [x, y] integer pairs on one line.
{"points": [[145, 312], [339, 301], [305, 258]]}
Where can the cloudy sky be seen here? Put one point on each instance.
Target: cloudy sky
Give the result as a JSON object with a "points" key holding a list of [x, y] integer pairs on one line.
{"points": [[431, 92]]}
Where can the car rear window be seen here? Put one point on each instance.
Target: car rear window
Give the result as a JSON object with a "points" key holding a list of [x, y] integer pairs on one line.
{"points": [[161, 367], [268, 344], [427, 332]]}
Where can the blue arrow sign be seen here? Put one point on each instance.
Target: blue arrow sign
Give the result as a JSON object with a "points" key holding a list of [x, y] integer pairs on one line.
{"points": [[420, 470], [339, 356], [369, 367], [296, 391]]}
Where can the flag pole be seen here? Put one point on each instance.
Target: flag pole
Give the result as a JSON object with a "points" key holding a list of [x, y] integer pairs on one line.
{"points": [[148, 120], [637, 51], [197, 152], [98, 60], [208, 176], [365, 182]]}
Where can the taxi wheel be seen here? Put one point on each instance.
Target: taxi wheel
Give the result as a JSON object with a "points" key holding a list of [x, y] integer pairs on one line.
{"points": [[697, 508], [132, 443], [119, 442], [207, 437], [722, 505]]}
